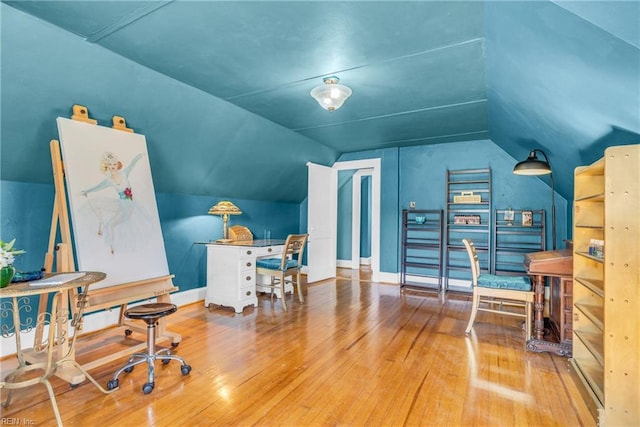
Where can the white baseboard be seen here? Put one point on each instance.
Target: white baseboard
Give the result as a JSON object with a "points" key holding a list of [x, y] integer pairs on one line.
{"points": [[421, 279], [385, 277]]}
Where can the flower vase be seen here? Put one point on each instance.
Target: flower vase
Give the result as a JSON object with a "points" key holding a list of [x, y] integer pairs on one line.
{"points": [[6, 274]]}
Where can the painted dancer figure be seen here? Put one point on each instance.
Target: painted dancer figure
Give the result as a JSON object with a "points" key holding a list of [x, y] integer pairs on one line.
{"points": [[115, 215]]}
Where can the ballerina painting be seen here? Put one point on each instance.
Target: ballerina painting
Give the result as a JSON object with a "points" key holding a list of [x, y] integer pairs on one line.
{"points": [[112, 212], [114, 215]]}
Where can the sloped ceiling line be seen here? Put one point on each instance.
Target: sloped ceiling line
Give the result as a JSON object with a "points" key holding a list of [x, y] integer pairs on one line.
{"points": [[357, 67], [400, 113], [480, 133], [618, 19], [127, 20]]}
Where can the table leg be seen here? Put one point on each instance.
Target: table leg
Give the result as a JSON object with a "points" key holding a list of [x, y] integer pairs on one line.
{"points": [[538, 307], [538, 343]]}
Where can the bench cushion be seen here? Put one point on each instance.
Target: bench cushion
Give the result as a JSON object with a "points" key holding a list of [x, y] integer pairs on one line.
{"points": [[518, 283], [274, 263]]}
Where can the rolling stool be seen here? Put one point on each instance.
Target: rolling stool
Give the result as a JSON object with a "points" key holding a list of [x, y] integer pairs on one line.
{"points": [[150, 313]]}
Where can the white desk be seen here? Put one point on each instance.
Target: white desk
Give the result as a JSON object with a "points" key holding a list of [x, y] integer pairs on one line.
{"points": [[231, 272]]}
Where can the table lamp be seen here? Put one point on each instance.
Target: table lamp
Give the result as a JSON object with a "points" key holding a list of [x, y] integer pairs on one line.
{"points": [[224, 208]]}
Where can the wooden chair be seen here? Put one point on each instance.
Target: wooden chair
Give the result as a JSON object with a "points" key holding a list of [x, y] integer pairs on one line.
{"points": [[289, 264], [500, 291]]}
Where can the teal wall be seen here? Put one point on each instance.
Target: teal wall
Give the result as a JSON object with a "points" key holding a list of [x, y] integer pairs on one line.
{"points": [[419, 174], [345, 229], [345, 225], [27, 209], [408, 174], [365, 217], [389, 212], [563, 76], [198, 144]]}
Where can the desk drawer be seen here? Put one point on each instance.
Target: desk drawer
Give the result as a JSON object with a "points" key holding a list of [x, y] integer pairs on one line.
{"points": [[247, 292], [247, 278], [247, 264], [264, 251]]}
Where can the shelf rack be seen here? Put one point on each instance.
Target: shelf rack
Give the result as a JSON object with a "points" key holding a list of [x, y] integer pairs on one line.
{"points": [[421, 249], [459, 184], [606, 289], [512, 239]]}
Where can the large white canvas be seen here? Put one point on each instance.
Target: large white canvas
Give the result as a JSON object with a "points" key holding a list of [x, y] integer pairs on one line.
{"points": [[114, 215]]}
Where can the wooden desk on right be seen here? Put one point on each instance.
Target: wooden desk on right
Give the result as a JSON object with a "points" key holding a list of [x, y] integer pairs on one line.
{"points": [[558, 265]]}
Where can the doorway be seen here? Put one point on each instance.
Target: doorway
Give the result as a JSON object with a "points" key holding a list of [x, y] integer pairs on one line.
{"points": [[364, 168]]}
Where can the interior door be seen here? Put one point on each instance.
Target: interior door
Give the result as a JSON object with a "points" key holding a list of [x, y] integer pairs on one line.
{"points": [[321, 222]]}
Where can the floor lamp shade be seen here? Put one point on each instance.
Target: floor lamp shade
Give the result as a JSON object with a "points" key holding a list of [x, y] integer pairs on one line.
{"points": [[534, 166]]}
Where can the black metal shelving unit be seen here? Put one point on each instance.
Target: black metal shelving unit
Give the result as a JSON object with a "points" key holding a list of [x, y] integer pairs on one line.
{"points": [[421, 249], [468, 215], [513, 238]]}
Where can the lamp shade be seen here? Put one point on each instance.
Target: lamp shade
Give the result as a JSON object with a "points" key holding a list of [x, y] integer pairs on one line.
{"points": [[532, 166], [225, 207], [331, 95]]}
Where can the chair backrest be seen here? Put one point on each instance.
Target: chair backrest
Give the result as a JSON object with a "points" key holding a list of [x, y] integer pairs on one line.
{"points": [[473, 260], [293, 246]]}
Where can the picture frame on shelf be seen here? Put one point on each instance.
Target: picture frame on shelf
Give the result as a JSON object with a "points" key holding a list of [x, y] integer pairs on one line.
{"points": [[466, 219], [527, 218], [509, 216]]}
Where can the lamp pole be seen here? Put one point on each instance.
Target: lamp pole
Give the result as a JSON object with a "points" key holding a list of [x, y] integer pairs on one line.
{"points": [[553, 199], [225, 221]]}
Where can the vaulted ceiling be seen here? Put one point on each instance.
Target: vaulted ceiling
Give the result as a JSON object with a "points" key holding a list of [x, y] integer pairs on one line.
{"points": [[221, 89]]}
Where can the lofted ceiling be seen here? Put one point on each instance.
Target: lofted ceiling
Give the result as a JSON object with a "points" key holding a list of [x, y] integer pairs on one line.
{"points": [[560, 76]]}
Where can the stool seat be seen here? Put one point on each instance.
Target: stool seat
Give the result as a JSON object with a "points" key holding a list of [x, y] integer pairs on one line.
{"points": [[150, 313]]}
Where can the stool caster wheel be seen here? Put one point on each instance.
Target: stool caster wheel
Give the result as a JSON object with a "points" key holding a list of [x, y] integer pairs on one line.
{"points": [[185, 369], [74, 385], [166, 361], [127, 332], [129, 369], [174, 344], [112, 384], [148, 388]]}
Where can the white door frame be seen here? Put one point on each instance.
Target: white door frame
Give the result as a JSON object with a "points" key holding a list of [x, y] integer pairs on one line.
{"points": [[356, 217], [372, 166]]}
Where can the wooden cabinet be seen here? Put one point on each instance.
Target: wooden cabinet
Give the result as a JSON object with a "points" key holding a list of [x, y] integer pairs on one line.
{"points": [[231, 273], [606, 288], [561, 308], [421, 249], [516, 232], [468, 216]]}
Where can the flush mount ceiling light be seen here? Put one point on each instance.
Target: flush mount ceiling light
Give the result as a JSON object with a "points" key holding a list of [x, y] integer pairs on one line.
{"points": [[331, 95]]}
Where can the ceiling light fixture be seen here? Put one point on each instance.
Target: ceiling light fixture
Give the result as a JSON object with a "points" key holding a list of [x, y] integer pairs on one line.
{"points": [[331, 95]]}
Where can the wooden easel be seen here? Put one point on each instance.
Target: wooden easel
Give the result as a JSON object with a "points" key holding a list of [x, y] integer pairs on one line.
{"points": [[100, 299]]}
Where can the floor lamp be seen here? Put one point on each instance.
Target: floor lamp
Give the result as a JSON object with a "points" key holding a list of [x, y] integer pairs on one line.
{"points": [[535, 166]]}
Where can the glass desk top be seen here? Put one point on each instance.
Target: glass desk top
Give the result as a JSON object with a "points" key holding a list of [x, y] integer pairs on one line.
{"points": [[245, 243]]}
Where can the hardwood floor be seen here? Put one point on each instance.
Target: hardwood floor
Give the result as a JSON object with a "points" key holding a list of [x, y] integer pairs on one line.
{"points": [[356, 353]]}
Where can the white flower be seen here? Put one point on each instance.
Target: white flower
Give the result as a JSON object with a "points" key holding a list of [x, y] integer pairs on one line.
{"points": [[6, 258], [7, 253]]}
